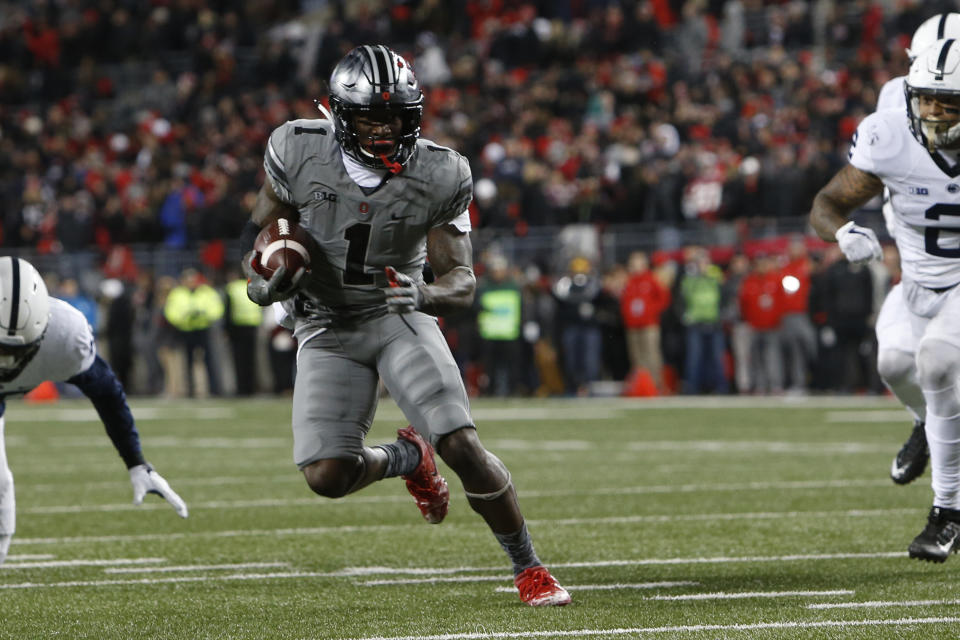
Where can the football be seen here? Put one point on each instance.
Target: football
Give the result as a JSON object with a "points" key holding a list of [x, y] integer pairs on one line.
{"points": [[283, 244]]}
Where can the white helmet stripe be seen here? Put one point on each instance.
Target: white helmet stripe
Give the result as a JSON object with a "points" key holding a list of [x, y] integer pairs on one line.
{"points": [[375, 68], [942, 25], [15, 302]]}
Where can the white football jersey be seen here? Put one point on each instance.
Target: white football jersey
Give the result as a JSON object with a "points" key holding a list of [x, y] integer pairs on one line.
{"points": [[924, 193], [68, 348], [892, 94]]}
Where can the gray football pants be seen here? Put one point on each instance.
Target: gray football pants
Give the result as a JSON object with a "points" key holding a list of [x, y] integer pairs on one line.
{"points": [[335, 394]]}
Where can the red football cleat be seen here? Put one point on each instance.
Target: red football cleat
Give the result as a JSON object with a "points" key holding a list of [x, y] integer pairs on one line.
{"points": [[540, 589], [425, 483]]}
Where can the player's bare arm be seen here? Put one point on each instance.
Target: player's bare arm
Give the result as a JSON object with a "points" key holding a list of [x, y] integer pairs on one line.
{"points": [[848, 189], [450, 253], [268, 207]]}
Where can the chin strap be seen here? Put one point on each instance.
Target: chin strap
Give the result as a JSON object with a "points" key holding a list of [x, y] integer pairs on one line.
{"points": [[392, 167]]}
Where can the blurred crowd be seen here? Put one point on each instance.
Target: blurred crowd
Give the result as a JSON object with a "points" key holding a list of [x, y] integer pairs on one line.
{"points": [[145, 122], [126, 124], [787, 316]]}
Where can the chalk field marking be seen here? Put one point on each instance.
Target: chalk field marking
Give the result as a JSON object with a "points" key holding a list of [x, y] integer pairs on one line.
{"points": [[877, 604], [394, 528], [692, 628], [434, 571], [23, 557], [868, 416], [315, 502], [722, 595], [615, 587], [55, 564], [200, 567], [437, 580], [88, 414], [150, 581], [759, 446]]}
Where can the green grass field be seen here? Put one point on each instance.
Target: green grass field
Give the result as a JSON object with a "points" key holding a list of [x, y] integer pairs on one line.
{"points": [[682, 518]]}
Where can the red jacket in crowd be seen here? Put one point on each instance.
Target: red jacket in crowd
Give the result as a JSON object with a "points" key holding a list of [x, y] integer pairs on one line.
{"points": [[643, 300], [796, 301], [762, 300]]}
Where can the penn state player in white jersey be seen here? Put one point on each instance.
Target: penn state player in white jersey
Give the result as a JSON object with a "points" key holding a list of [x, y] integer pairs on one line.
{"points": [[896, 360], [43, 338], [918, 159], [375, 196]]}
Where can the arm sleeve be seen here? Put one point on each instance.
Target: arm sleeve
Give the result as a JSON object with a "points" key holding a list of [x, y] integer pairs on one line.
{"points": [[274, 163], [101, 385], [452, 210]]}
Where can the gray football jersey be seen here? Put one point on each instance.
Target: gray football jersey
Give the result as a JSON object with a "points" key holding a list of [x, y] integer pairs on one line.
{"points": [[360, 231], [68, 348]]}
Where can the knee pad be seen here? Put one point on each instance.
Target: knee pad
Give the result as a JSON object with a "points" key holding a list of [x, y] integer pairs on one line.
{"points": [[895, 366]]}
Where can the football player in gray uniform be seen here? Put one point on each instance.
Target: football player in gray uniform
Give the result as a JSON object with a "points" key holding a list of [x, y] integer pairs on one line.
{"points": [[43, 338], [378, 200]]}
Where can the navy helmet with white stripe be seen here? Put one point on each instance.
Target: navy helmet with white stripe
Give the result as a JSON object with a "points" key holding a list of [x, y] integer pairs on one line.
{"points": [[375, 81], [24, 315]]}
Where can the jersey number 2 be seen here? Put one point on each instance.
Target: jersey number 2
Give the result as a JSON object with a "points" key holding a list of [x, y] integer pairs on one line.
{"points": [[931, 234], [358, 240]]}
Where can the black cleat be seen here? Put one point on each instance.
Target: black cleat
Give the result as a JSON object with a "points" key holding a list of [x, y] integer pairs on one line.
{"points": [[912, 458], [939, 538]]}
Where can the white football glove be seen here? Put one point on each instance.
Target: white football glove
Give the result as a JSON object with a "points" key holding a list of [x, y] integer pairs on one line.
{"points": [[262, 291], [145, 480], [859, 244], [403, 295]]}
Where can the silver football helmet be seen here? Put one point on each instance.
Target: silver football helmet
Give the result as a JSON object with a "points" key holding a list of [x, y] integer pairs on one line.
{"points": [[373, 81], [935, 77], [24, 315]]}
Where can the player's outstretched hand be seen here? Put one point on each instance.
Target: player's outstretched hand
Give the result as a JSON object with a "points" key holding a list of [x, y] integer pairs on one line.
{"points": [[261, 290], [403, 295], [859, 244], [145, 480]]}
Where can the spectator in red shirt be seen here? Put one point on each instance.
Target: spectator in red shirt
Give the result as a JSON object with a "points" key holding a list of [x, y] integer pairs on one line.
{"points": [[643, 299], [796, 328], [762, 305]]}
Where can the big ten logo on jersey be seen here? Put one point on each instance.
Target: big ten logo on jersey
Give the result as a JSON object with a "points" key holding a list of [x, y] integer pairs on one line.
{"points": [[919, 191], [325, 196]]}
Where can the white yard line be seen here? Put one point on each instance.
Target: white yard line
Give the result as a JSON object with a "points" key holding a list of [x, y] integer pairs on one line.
{"points": [[338, 530], [900, 415], [876, 604], [692, 628], [434, 571], [201, 567], [22, 557], [149, 581], [615, 587], [88, 414], [313, 501], [761, 446], [734, 595], [51, 564]]}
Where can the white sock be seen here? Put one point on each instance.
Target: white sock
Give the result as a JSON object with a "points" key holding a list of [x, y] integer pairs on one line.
{"points": [[943, 438]]}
